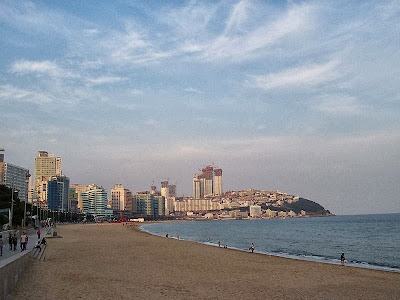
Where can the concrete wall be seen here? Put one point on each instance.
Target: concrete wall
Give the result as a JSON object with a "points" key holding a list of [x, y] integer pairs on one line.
{"points": [[10, 271]]}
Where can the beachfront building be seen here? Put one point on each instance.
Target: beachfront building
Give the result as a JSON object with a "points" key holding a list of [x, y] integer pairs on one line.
{"points": [[73, 199], [148, 204], [77, 189], [168, 191], [94, 202], [57, 190], [46, 166], [15, 177], [122, 202]]}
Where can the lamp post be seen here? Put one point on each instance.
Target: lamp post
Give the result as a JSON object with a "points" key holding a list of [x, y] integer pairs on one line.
{"points": [[12, 202], [27, 189]]}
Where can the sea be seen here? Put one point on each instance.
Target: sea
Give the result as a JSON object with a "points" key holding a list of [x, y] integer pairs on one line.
{"points": [[368, 241]]}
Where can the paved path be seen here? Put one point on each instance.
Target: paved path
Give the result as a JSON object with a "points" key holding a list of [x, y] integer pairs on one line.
{"points": [[32, 240]]}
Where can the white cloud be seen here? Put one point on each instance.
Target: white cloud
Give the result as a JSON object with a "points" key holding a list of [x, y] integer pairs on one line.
{"points": [[238, 16], [193, 90], [239, 46], [106, 79], [9, 92], [340, 105], [308, 75], [41, 67]]}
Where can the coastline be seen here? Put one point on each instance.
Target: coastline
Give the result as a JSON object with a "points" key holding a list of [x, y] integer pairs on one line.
{"points": [[109, 261], [318, 259]]}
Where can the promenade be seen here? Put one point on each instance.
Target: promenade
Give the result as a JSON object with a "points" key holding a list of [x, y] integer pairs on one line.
{"points": [[32, 240]]}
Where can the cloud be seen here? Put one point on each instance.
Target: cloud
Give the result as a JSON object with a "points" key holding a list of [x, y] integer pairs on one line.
{"points": [[238, 16], [106, 79], [303, 76], [236, 45], [340, 105], [9, 92], [193, 90], [40, 67]]}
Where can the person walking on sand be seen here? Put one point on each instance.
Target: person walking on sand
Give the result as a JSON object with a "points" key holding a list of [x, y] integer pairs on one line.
{"points": [[251, 248], [342, 259]]}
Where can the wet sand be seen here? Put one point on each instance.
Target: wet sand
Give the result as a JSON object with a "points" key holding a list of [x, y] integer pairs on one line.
{"points": [[111, 261]]}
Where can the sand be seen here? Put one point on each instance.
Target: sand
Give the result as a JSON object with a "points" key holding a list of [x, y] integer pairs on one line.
{"points": [[111, 261]]}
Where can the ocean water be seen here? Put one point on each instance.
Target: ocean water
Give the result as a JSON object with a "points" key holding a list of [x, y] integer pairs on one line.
{"points": [[369, 241]]}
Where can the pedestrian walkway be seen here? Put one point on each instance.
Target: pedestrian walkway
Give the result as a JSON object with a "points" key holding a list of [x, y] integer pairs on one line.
{"points": [[32, 240]]}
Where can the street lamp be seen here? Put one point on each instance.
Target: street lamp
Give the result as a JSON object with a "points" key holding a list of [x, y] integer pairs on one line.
{"points": [[12, 202], [27, 189]]}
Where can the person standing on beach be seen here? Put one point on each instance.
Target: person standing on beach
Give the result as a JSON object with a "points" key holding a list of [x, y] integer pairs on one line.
{"points": [[251, 248], [342, 259], [219, 244]]}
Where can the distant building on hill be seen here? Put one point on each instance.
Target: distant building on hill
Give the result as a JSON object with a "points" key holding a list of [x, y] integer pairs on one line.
{"points": [[255, 211]]}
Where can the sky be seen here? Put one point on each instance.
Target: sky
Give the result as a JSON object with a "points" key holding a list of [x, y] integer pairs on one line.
{"points": [[297, 96]]}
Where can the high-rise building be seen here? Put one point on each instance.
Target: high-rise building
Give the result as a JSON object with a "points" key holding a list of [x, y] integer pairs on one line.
{"points": [[208, 181], [73, 199], [197, 187], [78, 189], [121, 199], [218, 182], [94, 202], [150, 205], [15, 177], [168, 191], [46, 166], [206, 184], [58, 193]]}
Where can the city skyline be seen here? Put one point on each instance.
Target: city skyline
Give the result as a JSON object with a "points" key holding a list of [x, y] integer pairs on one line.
{"points": [[301, 97]]}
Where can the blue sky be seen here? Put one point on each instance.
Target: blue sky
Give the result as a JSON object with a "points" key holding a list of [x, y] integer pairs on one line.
{"points": [[300, 96]]}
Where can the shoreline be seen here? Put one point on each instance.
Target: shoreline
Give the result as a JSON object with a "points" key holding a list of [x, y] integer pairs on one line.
{"points": [[318, 259], [111, 261]]}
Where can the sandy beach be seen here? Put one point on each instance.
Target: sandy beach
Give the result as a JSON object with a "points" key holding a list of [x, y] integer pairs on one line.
{"points": [[111, 261]]}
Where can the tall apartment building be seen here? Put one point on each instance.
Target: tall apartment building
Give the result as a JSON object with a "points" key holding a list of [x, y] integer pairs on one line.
{"points": [[148, 204], [15, 177], [58, 193], [94, 202], [168, 191], [77, 189], [121, 199], [218, 182], [46, 166], [206, 184]]}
